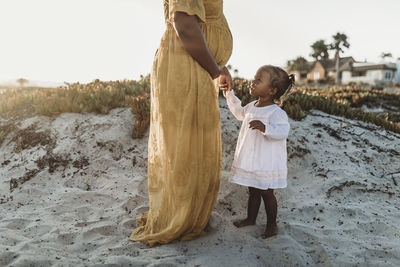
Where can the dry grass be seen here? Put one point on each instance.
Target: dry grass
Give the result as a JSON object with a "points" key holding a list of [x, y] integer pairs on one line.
{"points": [[97, 97], [100, 97]]}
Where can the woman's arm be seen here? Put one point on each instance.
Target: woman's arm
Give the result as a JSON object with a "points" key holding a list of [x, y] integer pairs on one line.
{"points": [[189, 32]]}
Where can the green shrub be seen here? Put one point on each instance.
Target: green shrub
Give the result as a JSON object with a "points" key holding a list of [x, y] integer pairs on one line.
{"points": [[101, 97], [340, 101]]}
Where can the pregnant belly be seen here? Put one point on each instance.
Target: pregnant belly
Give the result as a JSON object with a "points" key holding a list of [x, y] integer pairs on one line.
{"points": [[217, 35], [219, 41]]}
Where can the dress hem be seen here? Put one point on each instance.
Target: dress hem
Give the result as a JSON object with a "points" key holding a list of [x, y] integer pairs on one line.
{"points": [[245, 182]]}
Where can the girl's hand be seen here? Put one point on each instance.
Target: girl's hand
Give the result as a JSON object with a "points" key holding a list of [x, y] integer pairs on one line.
{"points": [[225, 80], [257, 125]]}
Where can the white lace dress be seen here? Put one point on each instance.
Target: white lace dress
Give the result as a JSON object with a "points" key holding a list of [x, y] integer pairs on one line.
{"points": [[260, 158]]}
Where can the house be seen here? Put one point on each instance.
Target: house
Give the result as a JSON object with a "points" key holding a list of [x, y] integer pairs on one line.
{"points": [[369, 73], [301, 75], [321, 70], [397, 76], [350, 71], [326, 69]]}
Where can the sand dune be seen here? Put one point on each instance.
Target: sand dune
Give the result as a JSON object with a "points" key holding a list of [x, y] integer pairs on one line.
{"points": [[72, 186]]}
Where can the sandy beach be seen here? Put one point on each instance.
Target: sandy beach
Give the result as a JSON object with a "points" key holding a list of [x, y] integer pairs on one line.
{"points": [[72, 186]]}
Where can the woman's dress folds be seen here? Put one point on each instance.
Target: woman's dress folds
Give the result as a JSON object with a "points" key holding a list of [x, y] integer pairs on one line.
{"points": [[184, 149]]}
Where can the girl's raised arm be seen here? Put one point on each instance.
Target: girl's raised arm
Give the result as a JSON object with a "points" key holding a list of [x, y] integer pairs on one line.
{"points": [[279, 126], [235, 105]]}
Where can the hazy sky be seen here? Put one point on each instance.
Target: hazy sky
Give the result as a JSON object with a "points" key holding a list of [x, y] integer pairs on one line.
{"points": [[81, 40]]}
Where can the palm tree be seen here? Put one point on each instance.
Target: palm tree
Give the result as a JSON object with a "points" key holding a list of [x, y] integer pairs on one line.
{"points": [[319, 50], [385, 55], [339, 42]]}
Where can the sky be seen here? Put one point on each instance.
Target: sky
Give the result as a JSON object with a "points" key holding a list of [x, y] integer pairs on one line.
{"points": [[82, 40]]}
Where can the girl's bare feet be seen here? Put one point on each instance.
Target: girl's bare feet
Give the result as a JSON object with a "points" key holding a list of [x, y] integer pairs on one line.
{"points": [[242, 223], [253, 206], [270, 231]]}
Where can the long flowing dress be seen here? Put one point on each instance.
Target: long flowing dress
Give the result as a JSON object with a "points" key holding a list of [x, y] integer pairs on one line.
{"points": [[184, 149]]}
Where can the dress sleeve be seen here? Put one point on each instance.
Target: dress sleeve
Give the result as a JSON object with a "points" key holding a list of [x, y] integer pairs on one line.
{"points": [[190, 7], [235, 105], [279, 126]]}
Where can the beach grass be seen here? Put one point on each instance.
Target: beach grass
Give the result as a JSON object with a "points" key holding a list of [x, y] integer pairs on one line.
{"points": [[100, 97], [97, 97]]}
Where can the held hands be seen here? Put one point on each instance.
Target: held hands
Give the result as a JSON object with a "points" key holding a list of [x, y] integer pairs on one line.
{"points": [[225, 81], [257, 125]]}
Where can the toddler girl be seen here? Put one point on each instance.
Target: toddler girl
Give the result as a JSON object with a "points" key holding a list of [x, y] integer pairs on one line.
{"points": [[260, 155]]}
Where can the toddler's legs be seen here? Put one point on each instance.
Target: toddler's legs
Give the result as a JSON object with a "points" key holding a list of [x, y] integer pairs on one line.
{"points": [[253, 205], [271, 208]]}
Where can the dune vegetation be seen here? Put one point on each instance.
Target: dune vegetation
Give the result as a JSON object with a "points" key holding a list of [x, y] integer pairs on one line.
{"points": [[100, 97], [97, 97], [345, 101]]}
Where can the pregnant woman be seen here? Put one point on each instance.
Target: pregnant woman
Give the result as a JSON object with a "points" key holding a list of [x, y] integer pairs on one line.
{"points": [[184, 150]]}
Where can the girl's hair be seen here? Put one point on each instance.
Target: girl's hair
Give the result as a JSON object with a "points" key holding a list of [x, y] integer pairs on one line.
{"points": [[280, 80]]}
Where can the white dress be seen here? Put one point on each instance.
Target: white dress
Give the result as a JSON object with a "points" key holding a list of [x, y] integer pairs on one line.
{"points": [[260, 158]]}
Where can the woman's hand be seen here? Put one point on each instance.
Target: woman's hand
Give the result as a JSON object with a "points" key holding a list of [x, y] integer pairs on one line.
{"points": [[225, 80], [257, 125]]}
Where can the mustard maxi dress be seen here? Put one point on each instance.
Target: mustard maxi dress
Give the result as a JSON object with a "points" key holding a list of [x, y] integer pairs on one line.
{"points": [[184, 149]]}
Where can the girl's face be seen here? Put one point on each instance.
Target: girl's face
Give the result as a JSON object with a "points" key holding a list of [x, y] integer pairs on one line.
{"points": [[260, 86]]}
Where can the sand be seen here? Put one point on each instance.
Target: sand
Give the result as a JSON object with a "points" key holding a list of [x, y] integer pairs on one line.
{"points": [[71, 187]]}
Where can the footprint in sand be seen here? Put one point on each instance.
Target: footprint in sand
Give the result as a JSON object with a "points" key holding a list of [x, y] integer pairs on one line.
{"points": [[135, 206], [133, 203], [37, 230], [15, 224], [66, 238], [105, 230], [130, 223]]}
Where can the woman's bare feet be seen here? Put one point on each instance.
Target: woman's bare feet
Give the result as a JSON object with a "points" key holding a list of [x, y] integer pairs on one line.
{"points": [[270, 231], [245, 222]]}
